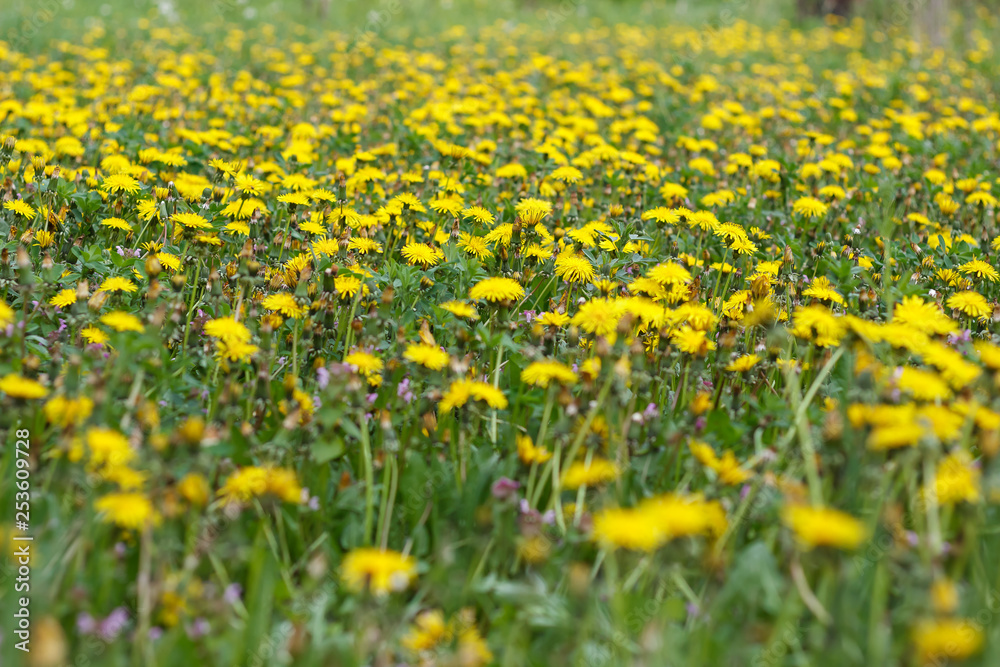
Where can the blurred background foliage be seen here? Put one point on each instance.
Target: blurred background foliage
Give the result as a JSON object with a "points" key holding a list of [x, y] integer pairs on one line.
{"points": [[25, 21]]}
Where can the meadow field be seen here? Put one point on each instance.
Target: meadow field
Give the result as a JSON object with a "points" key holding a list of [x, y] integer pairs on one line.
{"points": [[451, 333]]}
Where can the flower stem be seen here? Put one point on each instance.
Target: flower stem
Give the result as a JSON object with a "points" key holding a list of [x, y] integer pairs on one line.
{"points": [[575, 447], [366, 453], [295, 348], [539, 442], [496, 385]]}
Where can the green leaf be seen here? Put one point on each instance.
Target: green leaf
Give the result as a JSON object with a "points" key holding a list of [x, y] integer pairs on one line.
{"points": [[325, 451], [720, 424], [262, 581]]}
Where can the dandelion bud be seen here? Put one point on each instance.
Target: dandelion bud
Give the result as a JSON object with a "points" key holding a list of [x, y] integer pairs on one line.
{"points": [[9, 144], [155, 288], [579, 579], [430, 421], [96, 302], [216, 282], [989, 442], [153, 266], [52, 649], [701, 403], [625, 323], [662, 341], [298, 642], [192, 430], [760, 287], [32, 363], [159, 441], [23, 260], [601, 347], [833, 425], [178, 281], [263, 386]]}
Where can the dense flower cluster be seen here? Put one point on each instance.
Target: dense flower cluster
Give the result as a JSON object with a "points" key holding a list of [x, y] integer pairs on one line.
{"points": [[464, 344]]}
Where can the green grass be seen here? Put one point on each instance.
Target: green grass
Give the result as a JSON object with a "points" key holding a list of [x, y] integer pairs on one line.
{"points": [[388, 468], [392, 19]]}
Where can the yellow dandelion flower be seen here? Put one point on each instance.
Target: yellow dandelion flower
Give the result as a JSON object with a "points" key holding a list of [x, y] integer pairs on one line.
{"points": [[429, 356], [460, 309], [599, 317], [191, 220], [553, 319], [377, 570], [227, 329], [117, 223], [497, 290], [743, 364], [669, 273], [956, 480], [980, 269], [363, 246], [117, 284], [972, 304], [284, 303], [20, 207], [823, 526], [541, 373], [529, 453], [810, 207], [479, 214], [574, 269], [17, 386], [66, 412], [194, 489], [94, 336], [122, 322], [593, 473], [117, 183], [64, 298], [947, 639], [462, 391], [132, 511], [421, 254]]}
